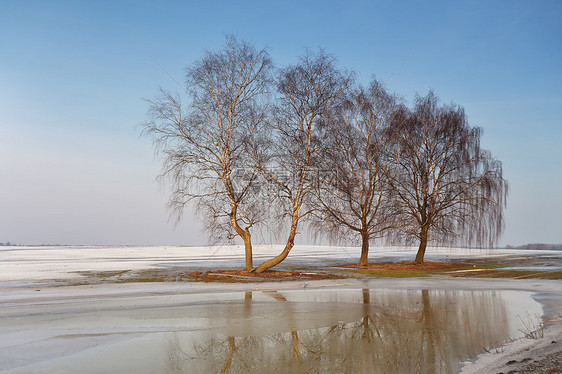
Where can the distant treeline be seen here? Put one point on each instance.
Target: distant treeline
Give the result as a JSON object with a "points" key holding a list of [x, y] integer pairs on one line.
{"points": [[536, 246], [6, 244]]}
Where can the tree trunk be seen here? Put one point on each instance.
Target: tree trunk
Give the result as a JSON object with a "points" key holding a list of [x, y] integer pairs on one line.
{"points": [[277, 259], [245, 235], [248, 250], [423, 245], [364, 260], [283, 255]]}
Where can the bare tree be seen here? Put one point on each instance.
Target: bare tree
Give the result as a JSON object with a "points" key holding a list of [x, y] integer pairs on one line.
{"points": [[287, 153], [203, 142], [447, 189], [357, 169]]}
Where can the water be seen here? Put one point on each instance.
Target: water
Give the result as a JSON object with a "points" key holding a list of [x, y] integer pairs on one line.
{"points": [[359, 330]]}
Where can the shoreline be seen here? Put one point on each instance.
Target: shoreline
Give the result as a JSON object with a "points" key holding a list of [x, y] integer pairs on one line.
{"points": [[29, 278], [534, 356]]}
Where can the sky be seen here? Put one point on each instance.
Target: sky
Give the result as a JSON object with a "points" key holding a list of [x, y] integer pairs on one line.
{"points": [[74, 76]]}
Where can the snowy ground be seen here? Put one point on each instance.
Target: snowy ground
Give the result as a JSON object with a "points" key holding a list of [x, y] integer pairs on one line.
{"points": [[21, 266], [45, 328]]}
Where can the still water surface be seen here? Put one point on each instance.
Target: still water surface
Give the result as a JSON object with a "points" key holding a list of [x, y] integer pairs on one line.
{"points": [[290, 331], [360, 332]]}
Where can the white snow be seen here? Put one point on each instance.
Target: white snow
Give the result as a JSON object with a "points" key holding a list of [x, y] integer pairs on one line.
{"points": [[22, 265]]}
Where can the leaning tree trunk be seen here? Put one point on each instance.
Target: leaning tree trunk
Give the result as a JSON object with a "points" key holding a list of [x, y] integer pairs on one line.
{"points": [[277, 259], [364, 260], [283, 255], [423, 245]]}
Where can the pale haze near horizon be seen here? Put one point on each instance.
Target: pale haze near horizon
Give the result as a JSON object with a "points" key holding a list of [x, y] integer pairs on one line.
{"points": [[73, 75]]}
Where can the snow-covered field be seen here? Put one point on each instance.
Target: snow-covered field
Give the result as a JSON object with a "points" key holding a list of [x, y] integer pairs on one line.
{"points": [[187, 327], [27, 265]]}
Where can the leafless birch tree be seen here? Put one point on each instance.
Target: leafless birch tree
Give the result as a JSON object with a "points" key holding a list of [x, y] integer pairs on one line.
{"points": [[203, 140], [353, 198], [448, 189], [288, 152]]}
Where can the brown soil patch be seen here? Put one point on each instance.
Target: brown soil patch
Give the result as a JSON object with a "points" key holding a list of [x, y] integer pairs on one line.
{"points": [[248, 276], [426, 266]]}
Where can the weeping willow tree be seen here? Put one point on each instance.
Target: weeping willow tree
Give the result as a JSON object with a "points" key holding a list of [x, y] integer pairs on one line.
{"points": [[447, 189]]}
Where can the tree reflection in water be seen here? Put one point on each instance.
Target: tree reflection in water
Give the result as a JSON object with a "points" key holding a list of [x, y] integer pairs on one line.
{"points": [[401, 332]]}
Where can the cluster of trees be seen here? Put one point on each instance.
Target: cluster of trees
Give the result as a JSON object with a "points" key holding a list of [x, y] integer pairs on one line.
{"points": [[264, 149]]}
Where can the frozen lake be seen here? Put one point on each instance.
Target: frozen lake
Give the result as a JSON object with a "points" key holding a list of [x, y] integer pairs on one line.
{"points": [[330, 326]]}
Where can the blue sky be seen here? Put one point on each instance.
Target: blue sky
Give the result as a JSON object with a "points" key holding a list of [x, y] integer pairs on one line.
{"points": [[73, 75]]}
